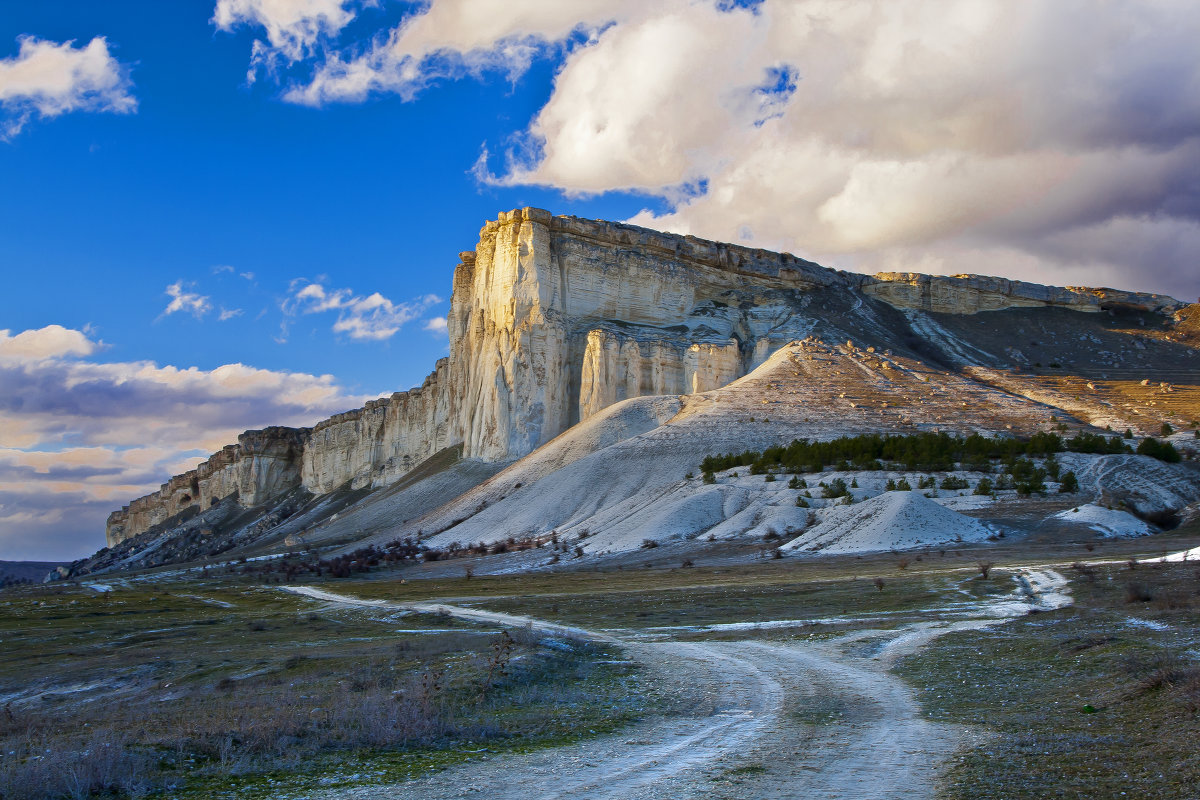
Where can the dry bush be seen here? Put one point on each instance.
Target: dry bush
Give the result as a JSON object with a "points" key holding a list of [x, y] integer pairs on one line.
{"points": [[1086, 570], [1137, 592]]}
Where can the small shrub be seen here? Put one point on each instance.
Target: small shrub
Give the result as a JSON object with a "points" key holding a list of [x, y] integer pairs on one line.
{"points": [[1068, 483], [1166, 429], [770, 478], [836, 488], [879, 583], [649, 544], [1086, 570], [984, 487], [984, 568], [1138, 593], [1163, 451]]}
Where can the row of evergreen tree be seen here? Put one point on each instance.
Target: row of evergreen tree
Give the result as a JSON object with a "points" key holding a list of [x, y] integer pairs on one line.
{"points": [[926, 452]]}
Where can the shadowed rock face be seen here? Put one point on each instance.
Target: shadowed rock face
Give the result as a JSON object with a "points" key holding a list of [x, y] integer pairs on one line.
{"points": [[554, 319], [261, 466]]}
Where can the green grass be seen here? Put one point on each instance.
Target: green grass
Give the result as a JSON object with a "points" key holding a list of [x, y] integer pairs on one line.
{"points": [[274, 692], [1082, 702]]}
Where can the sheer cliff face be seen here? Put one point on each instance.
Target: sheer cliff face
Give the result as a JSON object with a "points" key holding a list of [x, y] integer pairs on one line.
{"points": [[555, 318], [552, 320], [376, 445], [261, 466]]}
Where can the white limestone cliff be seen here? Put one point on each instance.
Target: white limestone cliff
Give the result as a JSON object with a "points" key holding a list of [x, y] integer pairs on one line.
{"points": [[554, 319]]}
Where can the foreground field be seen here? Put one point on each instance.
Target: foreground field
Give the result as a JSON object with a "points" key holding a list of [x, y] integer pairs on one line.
{"points": [[915, 675], [206, 690]]}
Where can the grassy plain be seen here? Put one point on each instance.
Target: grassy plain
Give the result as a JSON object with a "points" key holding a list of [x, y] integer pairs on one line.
{"points": [[208, 690], [187, 687]]}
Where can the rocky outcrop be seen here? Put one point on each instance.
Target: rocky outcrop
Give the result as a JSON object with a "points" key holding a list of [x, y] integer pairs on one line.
{"points": [[261, 466], [968, 294], [554, 319]]}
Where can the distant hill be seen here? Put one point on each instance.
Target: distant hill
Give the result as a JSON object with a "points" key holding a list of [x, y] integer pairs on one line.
{"points": [[34, 571]]}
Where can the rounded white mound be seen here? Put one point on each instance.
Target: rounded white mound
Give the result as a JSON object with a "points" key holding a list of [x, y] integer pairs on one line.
{"points": [[1108, 521], [891, 521]]}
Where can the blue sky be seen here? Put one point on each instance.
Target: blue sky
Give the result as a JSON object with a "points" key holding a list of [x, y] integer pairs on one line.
{"points": [[221, 214]]}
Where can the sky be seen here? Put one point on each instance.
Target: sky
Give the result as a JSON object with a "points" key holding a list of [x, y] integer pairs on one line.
{"points": [[218, 215]]}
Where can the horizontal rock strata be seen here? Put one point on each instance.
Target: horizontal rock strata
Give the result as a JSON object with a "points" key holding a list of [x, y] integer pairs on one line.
{"points": [[554, 319]]}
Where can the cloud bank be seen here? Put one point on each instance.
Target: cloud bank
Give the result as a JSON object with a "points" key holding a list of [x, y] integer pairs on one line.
{"points": [[1054, 140], [74, 431], [46, 79]]}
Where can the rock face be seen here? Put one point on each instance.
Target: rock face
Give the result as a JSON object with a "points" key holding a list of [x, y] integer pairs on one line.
{"points": [[262, 465], [554, 319], [968, 294], [381, 442]]}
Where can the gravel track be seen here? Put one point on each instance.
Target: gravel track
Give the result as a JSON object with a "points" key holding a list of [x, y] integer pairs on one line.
{"points": [[767, 720]]}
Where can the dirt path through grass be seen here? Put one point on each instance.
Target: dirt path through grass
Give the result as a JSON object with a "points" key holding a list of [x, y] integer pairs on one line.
{"points": [[768, 720]]}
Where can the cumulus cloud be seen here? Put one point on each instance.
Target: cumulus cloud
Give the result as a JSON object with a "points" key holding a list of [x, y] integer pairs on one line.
{"points": [[1057, 140], [50, 341], [372, 317], [1012, 137], [437, 325], [441, 39], [293, 28], [47, 79], [73, 430], [187, 301]]}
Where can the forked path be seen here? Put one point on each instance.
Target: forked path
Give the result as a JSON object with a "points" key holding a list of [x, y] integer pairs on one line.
{"points": [[766, 720]]}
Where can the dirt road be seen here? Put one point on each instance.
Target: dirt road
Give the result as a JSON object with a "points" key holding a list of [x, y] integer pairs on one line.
{"points": [[768, 720]]}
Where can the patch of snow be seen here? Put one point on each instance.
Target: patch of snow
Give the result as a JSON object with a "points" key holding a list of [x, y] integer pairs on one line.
{"points": [[1183, 555], [1108, 521], [99, 587], [1147, 623], [965, 502]]}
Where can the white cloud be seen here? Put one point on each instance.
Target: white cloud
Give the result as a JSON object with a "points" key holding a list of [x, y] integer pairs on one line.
{"points": [[361, 317], [445, 38], [48, 342], [437, 325], [74, 431], [187, 301], [229, 313], [48, 79], [293, 27], [965, 133], [1006, 135]]}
